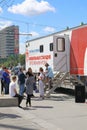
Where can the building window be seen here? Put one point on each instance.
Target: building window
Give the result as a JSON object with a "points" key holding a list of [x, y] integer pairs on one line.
{"points": [[51, 46], [41, 48], [60, 44]]}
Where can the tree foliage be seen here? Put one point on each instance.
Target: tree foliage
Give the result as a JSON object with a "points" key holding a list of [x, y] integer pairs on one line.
{"points": [[13, 60]]}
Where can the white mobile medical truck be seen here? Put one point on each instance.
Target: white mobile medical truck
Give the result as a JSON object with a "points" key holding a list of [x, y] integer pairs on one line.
{"points": [[65, 51]]}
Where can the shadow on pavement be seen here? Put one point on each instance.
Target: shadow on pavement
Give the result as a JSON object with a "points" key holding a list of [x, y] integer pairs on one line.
{"points": [[11, 127], [28, 108], [59, 98], [67, 91], [60, 94], [43, 106], [4, 115]]}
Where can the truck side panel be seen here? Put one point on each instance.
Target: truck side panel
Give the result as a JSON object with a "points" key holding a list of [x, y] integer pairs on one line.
{"points": [[78, 53], [38, 53], [61, 53]]}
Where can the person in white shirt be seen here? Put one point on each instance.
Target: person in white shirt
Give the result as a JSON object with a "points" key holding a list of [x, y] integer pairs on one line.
{"points": [[13, 91]]}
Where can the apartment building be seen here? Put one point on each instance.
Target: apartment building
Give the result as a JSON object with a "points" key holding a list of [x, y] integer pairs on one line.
{"points": [[9, 41]]}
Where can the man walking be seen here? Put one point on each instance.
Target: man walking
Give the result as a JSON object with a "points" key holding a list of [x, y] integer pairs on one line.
{"points": [[49, 74]]}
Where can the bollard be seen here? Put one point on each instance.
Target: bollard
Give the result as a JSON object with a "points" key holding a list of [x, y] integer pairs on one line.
{"points": [[80, 93]]}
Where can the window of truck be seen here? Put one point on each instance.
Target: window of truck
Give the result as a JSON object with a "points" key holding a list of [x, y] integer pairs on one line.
{"points": [[41, 48], [51, 47], [60, 44]]}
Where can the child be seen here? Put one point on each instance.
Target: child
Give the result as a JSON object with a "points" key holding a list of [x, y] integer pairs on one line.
{"points": [[13, 91]]}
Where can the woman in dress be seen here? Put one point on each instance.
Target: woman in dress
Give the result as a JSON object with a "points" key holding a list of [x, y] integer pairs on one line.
{"points": [[41, 78]]}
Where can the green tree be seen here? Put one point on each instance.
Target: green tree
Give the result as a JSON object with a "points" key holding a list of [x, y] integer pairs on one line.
{"points": [[13, 60], [22, 59]]}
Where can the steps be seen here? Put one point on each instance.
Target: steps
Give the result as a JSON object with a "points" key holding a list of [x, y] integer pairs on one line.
{"points": [[57, 80], [63, 79], [8, 101]]}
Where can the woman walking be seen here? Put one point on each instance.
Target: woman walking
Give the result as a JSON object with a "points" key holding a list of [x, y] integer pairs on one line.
{"points": [[41, 78], [29, 88]]}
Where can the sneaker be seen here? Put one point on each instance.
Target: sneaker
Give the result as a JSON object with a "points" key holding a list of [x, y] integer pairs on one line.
{"points": [[32, 95], [20, 106]]}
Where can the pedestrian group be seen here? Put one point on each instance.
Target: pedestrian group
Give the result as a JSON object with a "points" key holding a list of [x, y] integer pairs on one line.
{"points": [[26, 82]]}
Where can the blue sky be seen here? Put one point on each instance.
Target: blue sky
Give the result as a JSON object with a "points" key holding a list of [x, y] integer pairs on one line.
{"points": [[41, 17]]}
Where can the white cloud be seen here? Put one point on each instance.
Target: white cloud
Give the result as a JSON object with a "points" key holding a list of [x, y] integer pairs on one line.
{"points": [[25, 34], [4, 24], [49, 29], [1, 10], [31, 7], [34, 34]]}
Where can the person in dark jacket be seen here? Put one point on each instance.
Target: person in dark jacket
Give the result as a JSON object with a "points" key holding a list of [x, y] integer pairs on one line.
{"points": [[6, 80], [1, 79], [21, 82]]}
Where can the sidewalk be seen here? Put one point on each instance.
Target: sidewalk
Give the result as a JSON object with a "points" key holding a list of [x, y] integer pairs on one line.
{"points": [[13, 118], [59, 112]]}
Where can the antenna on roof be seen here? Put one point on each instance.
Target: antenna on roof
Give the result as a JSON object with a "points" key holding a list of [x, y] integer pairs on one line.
{"points": [[81, 23], [67, 28]]}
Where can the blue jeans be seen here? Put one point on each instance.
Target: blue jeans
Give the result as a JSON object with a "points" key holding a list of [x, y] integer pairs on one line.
{"points": [[6, 86], [21, 89]]}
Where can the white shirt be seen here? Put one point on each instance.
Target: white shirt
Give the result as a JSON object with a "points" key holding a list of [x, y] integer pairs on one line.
{"points": [[41, 77], [41, 84], [12, 86]]}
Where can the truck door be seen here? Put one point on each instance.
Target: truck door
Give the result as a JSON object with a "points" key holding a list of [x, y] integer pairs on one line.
{"points": [[61, 53]]}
